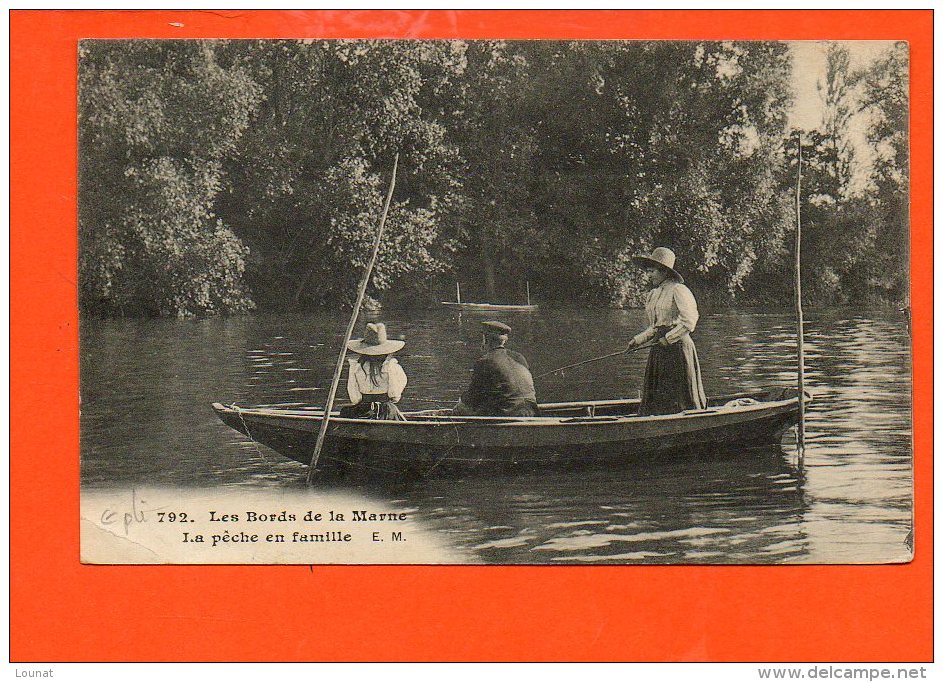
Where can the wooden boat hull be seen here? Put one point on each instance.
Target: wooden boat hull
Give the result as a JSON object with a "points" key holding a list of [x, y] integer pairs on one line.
{"points": [[509, 307], [569, 433]]}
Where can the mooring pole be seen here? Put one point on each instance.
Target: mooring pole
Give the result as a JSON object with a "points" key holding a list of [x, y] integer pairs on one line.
{"points": [[800, 432], [362, 289]]}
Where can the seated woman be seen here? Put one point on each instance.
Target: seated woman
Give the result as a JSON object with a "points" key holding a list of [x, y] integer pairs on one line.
{"points": [[673, 374], [375, 381]]}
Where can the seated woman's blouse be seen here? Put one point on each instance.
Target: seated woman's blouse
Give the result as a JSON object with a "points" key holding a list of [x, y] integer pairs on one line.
{"points": [[390, 382], [670, 305]]}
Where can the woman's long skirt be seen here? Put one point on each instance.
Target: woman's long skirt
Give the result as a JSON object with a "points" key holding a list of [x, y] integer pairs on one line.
{"points": [[672, 379]]}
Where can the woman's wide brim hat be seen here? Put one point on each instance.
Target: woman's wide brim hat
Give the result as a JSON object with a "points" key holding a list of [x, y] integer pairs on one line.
{"points": [[662, 258], [375, 342]]}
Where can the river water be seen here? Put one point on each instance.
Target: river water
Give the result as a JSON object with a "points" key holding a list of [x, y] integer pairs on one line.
{"points": [[147, 386]]}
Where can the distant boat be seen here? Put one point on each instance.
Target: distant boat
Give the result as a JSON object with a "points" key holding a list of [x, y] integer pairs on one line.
{"points": [[508, 307], [490, 306]]}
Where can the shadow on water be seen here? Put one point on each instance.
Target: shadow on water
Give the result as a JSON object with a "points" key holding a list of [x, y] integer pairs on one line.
{"points": [[147, 386]]}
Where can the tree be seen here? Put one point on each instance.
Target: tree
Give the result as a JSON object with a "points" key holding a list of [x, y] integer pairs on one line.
{"points": [[157, 119], [212, 170], [886, 103], [495, 231], [855, 220], [673, 143], [309, 177], [838, 107]]}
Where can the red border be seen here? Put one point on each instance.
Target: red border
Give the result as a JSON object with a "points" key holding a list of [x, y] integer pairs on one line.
{"points": [[63, 611]]}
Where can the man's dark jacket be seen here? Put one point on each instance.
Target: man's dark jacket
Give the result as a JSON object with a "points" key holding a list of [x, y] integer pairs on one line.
{"points": [[501, 385]]}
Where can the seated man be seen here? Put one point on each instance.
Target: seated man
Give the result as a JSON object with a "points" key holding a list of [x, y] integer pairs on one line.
{"points": [[501, 383]]}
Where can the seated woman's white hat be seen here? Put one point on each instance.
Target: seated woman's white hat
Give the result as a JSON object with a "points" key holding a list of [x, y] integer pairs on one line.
{"points": [[663, 258], [375, 341]]}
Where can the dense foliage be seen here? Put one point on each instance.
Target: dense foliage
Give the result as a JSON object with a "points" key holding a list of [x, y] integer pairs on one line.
{"points": [[219, 175], [157, 122], [855, 202]]}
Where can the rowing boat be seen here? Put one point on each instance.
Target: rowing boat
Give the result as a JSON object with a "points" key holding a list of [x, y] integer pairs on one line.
{"points": [[565, 433], [507, 307]]}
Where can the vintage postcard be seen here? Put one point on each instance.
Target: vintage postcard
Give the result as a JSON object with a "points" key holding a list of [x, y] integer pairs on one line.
{"points": [[621, 321], [547, 290]]}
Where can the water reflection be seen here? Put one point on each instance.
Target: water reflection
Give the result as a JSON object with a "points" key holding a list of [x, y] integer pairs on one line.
{"points": [[147, 386], [744, 507]]}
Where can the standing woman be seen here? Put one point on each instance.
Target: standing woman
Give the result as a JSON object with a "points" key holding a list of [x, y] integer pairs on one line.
{"points": [[673, 375], [375, 380]]}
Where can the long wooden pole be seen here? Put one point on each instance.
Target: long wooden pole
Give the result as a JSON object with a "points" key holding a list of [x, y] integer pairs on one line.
{"points": [[329, 404], [800, 440]]}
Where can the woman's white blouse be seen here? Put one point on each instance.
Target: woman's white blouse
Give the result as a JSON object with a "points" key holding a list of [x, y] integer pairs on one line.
{"points": [[391, 380], [671, 304]]}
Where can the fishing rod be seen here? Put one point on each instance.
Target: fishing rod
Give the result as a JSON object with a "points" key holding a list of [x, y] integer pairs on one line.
{"points": [[601, 357], [446, 401]]}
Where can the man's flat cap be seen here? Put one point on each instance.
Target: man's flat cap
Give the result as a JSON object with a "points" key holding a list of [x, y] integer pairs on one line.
{"points": [[493, 327]]}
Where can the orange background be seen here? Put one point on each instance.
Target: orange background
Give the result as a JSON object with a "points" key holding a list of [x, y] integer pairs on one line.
{"points": [[64, 611]]}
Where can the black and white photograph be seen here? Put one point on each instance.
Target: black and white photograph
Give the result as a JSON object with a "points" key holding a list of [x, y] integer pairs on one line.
{"points": [[494, 302]]}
